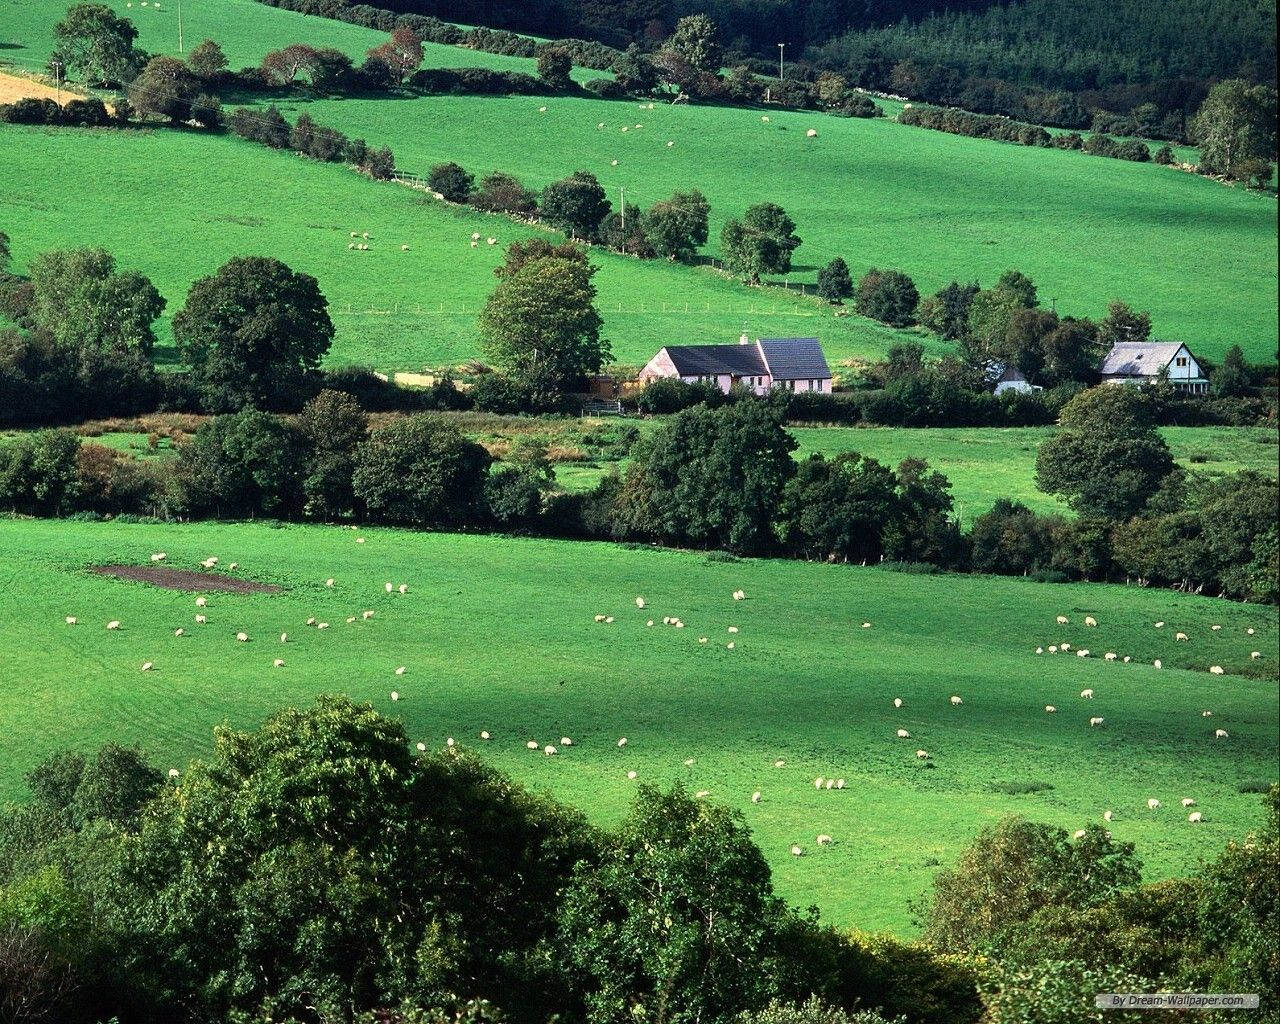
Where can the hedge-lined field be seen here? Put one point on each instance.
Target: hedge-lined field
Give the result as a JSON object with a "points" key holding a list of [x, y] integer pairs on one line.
{"points": [[499, 635]]}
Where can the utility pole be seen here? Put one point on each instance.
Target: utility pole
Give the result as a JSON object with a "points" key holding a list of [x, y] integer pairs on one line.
{"points": [[622, 205], [56, 67], [780, 67], [179, 26]]}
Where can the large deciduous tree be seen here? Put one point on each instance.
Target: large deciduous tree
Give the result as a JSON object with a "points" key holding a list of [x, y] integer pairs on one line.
{"points": [[92, 41], [166, 88], [252, 331], [576, 205], [1107, 459], [1236, 127], [541, 325], [676, 227], [760, 243], [80, 298]]}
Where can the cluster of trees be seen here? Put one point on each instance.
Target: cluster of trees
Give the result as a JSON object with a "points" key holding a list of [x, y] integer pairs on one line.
{"points": [[86, 113], [1002, 129], [270, 128], [673, 228], [407, 888], [1043, 62], [355, 904], [1139, 516]]}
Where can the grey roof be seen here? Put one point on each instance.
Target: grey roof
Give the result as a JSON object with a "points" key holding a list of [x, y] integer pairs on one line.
{"points": [[709, 360], [995, 372], [1139, 359], [795, 358]]}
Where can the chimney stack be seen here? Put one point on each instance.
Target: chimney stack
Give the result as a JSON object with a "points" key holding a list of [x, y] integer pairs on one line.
{"points": [[744, 340]]}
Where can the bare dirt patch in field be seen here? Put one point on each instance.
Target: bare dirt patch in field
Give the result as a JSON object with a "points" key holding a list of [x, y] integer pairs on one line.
{"points": [[16, 87], [183, 579]]}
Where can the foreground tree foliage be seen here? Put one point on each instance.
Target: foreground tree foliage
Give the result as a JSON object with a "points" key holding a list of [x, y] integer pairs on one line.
{"points": [[1236, 129], [252, 331], [761, 242], [80, 298]]}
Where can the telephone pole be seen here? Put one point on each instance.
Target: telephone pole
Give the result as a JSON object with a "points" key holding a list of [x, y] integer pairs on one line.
{"points": [[622, 205], [179, 26], [56, 67], [780, 68]]}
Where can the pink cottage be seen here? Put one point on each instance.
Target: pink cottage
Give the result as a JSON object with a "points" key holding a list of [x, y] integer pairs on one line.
{"points": [[792, 364]]}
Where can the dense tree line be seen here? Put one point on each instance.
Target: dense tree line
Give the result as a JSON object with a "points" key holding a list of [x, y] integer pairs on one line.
{"points": [[394, 886]]}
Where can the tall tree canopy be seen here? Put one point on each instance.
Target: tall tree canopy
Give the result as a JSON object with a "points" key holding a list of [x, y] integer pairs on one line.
{"points": [[93, 42]]}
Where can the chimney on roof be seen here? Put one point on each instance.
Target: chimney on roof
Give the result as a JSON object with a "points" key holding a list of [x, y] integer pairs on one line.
{"points": [[744, 340]]}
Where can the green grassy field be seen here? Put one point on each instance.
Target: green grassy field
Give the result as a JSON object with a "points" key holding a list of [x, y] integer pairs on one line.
{"points": [[1199, 256], [176, 205], [490, 642]]}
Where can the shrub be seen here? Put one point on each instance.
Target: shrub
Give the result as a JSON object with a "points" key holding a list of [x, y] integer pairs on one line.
{"points": [[451, 181], [1165, 155], [503, 193], [39, 473], [1132, 149], [889, 296]]}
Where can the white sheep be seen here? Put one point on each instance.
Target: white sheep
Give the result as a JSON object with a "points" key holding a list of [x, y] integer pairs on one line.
{"points": [[1051, 709], [1206, 714], [359, 540], [1127, 659], [670, 144], [159, 556], [649, 623], [702, 639], [71, 620], [533, 745], [491, 241], [1082, 653], [542, 110], [639, 602], [549, 750], [1215, 628], [179, 631], [113, 624], [400, 671], [811, 134], [779, 764], [764, 118], [1255, 655], [1039, 650], [903, 734], [755, 797], [866, 625], [817, 783], [1215, 670], [1106, 815], [1250, 631], [1188, 801], [955, 701], [897, 702], [823, 840], [201, 602], [1053, 648], [395, 695], [366, 615], [1109, 656], [839, 783], [1078, 834], [322, 625], [622, 742], [1087, 694], [278, 663], [484, 735], [1094, 722], [1153, 804], [1195, 817], [146, 666], [329, 582], [796, 851], [922, 754], [404, 248], [1221, 734], [830, 783], [242, 637], [475, 236], [1063, 620], [739, 595], [201, 620], [421, 748], [733, 629], [729, 646], [1179, 636], [1158, 663], [1089, 620], [1064, 647], [1160, 625]]}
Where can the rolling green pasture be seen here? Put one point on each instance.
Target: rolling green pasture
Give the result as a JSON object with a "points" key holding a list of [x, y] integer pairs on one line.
{"points": [[1201, 257], [498, 634], [176, 205]]}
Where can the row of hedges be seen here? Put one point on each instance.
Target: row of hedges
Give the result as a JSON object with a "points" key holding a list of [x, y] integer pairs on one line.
{"points": [[1004, 129], [79, 113], [269, 128]]}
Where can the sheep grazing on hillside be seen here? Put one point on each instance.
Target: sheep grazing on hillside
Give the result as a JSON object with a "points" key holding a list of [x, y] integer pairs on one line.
{"points": [[1153, 804], [1053, 648], [817, 783], [1064, 647], [359, 540], [1250, 631], [404, 248], [201, 602], [764, 118], [420, 747], [1180, 636], [779, 764], [146, 666], [608, 619], [278, 663], [1063, 620], [755, 797], [1109, 656], [533, 745], [1082, 653], [1051, 709], [395, 695], [233, 567], [613, 163], [388, 587], [622, 742], [400, 671], [903, 734], [823, 840], [600, 125], [1160, 625], [811, 134], [1195, 817], [1206, 714], [839, 783], [159, 556], [866, 625], [631, 774], [113, 624], [1089, 620], [179, 631], [1158, 663], [364, 235], [484, 735], [897, 702], [1087, 694], [1255, 655], [733, 629], [1215, 628], [649, 623], [955, 701], [1039, 650], [71, 620], [739, 595], [366, 615], [491, 241], [639, 602], [1078, 834], [1106, 815], [670, 144], [797, 851], [549, 750], [729, 646], [542, 110], [829, 783], [475, 236], [242, 638], [284, 638], [1127, 659], [350, 619], [322, 625], [201, 620], [1188, 802], [1215, 670], [1095, 722], [1221, 734], [329, 582], [922, 754], [209, 563]]}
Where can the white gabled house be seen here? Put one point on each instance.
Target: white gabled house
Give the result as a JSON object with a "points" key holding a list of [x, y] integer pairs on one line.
{"points": [[1144, 363], [791, 364]]}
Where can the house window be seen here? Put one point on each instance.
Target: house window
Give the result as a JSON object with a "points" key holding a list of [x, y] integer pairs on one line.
{"points": [[1182, 360]]}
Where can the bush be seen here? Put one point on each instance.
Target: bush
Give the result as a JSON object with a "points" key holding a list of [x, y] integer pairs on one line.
{"points": [[39, 473], [889, 296], [605, 88], [1132, 149], [451, 181], [503, 193], [1165, 155], [821, 407]]}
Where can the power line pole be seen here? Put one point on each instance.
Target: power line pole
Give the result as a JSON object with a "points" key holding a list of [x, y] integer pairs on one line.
{"points": [[780, 67], [179, 26], [56, 67], [622, 205]]}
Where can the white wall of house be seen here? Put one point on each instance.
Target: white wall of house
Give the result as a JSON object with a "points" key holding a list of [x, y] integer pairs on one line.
{"points": [[662, 365], [820, 384], [1014, 385], [1184, 366]]}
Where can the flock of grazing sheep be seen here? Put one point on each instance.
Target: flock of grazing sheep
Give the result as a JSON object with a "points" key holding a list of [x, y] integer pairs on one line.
{"points": [[552, 749]]}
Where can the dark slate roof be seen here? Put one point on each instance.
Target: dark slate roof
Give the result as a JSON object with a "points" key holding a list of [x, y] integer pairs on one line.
{"points": [[709, 360], [795, 358], [1139, 359]]}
